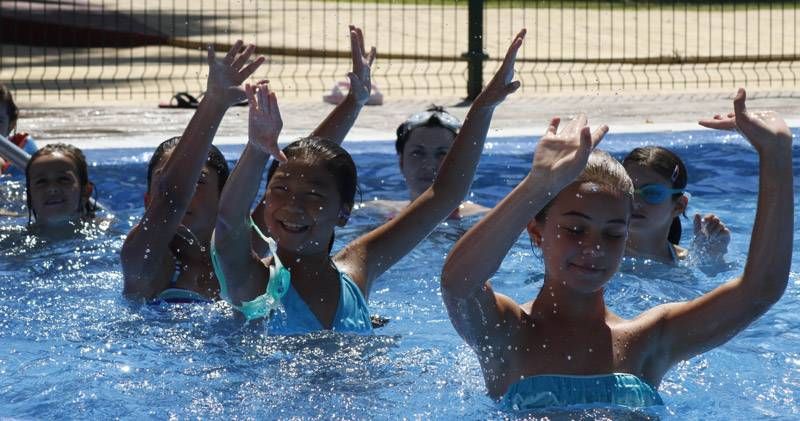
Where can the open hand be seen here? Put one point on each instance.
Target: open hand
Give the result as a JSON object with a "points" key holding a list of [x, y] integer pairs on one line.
{"points": [[711, 236], [225, 76], [501, 85], [765, 130], [360, 77], [265, 122], [559, 158]]}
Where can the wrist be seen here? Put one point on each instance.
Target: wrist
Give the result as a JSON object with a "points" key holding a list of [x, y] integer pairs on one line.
{"points": [[212, 101], [255, 147], [351, 100]]}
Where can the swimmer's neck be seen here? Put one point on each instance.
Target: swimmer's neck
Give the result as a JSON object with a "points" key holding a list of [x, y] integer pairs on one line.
{"points": [[558, 302], [59, 230], [656, 247], [306, 267]]}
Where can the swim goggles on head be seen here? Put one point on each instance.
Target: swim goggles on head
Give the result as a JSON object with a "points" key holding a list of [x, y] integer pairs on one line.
{"points": [[422, 118], [655, 194]]}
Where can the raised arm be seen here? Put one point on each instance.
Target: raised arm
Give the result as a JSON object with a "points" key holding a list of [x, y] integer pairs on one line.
{"points": [[147, 245], [243, 276], [473, 306], [370, 255], [339, 122], [341, 119], [690, 328]]}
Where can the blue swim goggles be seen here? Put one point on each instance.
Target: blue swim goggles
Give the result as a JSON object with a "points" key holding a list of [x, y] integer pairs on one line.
{"points": [[277, 285], [655, 194]]}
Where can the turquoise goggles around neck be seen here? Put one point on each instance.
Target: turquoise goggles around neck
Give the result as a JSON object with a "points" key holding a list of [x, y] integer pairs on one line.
{"points": [[277, 285]]}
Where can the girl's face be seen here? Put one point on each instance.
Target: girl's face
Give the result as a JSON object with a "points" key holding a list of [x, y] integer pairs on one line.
{"points": [[201, 215], [650, 218], [303, 207], [56, 193], [583, 236], [422, 155]]}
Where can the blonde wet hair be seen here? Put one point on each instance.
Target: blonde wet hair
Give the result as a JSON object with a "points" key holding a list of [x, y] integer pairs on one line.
{"points": [[604, 171]]}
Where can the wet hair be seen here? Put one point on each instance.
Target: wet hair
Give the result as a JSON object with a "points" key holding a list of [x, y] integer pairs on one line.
{"points": [[216, 160], [336, 160], [77, 157], [10, 107], [605, 171], [405, 129], [667, 164]]}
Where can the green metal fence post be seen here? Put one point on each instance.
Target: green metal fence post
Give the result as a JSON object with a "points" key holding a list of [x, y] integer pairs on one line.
{"points": [[475, 55]]}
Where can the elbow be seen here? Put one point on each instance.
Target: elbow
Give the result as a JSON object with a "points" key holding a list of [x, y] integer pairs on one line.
{"points": [[768, 296]]}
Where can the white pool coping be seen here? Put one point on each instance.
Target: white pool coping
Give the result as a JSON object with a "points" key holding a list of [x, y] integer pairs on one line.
{"points": [[372, 135]]}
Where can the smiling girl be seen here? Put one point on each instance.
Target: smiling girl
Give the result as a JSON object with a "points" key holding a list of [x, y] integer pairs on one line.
{"points": [[310, 191]]}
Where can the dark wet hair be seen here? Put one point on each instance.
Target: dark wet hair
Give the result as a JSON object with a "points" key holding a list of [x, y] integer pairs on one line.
{"points": [[668, 165], [336, 160], [605, 171], [216, 160], [11, 108], [77, 157], [404, 130]]}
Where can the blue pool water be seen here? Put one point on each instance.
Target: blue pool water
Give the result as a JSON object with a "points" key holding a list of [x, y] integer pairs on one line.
{"points": [[72, 347]]}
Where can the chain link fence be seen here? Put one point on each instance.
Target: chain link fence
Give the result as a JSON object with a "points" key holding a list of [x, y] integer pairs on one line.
{"points": [[79, 51]]}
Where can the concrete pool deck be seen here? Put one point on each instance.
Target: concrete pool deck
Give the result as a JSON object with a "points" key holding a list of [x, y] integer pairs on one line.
{"points": [[146, 126]]}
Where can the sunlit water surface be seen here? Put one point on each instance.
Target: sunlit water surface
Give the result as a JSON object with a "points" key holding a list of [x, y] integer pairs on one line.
{"points": [[72, 347]]}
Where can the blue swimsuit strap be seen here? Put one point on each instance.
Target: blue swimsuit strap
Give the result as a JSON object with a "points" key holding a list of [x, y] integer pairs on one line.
{"points": [[277, 284]]}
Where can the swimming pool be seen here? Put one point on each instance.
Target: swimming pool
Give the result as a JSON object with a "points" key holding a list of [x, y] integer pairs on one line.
{"points": [[72, 347]]}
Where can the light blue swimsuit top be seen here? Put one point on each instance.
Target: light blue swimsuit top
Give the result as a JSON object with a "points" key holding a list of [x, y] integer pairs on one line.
{"points": [[295, 317], [564, 390], [288, 314]]}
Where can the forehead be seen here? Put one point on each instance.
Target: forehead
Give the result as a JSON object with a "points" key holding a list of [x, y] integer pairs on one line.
{"points": [[306, 172], [53, 162], [431, 137], [641, 175], [599, 203]]}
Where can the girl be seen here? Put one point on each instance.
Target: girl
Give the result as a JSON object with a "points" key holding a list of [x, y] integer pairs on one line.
{"points": [[565, 346], [9, 113], [58, 191], [422, 143], [310, 191], [166, 256], [659, 179]]}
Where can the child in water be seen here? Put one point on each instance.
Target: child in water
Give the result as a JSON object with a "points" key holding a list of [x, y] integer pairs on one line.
{"points": [[165, 256], [659, 179], [311, 188], [58, 191], [423, 141], [9, 114], [565, 346]]}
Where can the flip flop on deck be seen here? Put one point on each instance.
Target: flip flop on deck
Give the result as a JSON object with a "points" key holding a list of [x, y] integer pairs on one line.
{"points": [[181, 100], [185, 100]]}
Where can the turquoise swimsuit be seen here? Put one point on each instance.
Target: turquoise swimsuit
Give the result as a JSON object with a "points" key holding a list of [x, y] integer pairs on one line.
{"points": [[286, 310], [295, 317], [174, 295], [564, 390]]}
